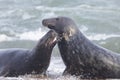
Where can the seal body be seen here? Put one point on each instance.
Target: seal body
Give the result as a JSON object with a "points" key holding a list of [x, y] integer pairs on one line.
{"points": [[15, 62], [81, 56]]}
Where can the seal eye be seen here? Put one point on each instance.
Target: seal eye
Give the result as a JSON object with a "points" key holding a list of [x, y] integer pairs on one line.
{"points": [[57, 19]]}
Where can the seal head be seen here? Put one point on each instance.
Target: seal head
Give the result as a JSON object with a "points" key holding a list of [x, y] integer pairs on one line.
{"points": [[64, 26]]}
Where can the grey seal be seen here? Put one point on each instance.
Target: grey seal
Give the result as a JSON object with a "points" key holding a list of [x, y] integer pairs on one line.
{"points": [[81, 56], [15, 62]]}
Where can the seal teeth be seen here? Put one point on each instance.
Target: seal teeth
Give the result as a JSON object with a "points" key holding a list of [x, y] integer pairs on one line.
{"points": [[54, 39]]}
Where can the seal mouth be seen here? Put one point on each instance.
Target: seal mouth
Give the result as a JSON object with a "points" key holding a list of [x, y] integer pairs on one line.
{"points": [[53, 38], [53, 41], [50, 26]]}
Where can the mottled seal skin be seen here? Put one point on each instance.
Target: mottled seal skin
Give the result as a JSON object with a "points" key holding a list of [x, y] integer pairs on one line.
{"points": [[81, 56], [15, 62]]}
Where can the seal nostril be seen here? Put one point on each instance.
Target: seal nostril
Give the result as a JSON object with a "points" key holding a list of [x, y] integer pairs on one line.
{"points": [[44, 22]]}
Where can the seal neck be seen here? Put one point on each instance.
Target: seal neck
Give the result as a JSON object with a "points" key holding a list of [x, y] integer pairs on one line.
{"points": [[39, 52]]}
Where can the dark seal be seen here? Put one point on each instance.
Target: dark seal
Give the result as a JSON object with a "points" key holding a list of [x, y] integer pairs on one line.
{"points": [[15, 62], [80, 55]]}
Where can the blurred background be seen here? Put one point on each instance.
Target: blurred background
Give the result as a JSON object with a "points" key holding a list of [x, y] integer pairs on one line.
{"points": [[20, 22]]}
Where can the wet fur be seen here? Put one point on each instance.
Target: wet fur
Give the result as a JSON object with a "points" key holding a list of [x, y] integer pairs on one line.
{"points": [[81, 56], [15, 62]]}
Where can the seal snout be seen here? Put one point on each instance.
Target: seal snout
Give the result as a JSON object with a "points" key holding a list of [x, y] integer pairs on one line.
{"points": [[50, 23]]}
